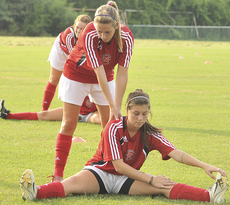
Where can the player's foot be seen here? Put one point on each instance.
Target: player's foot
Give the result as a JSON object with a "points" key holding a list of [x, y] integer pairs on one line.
{"points": [[28, 186], [219, 188], [3, 111]]}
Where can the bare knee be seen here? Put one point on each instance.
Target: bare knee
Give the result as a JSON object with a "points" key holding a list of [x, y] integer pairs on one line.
{"points": [[68, 127], [84, 182], [42, 115], [54, 80], [54, 76]]}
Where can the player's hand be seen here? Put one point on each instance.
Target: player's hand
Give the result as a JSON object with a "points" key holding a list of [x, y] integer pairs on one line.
{"points": [[113, 114], [209, 169], [119, 115], [162, 182]]}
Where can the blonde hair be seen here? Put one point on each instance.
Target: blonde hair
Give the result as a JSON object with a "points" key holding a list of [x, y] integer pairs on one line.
{"points": [[139, 97], [83, 18], [109, 13]]}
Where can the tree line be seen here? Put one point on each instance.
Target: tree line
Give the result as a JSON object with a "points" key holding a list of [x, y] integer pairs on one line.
{"points": [[50, 17]]}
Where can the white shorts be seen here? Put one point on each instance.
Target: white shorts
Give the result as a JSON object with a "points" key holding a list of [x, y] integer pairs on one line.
{"points": [[74, 92], [110, 183], [57, 56]]}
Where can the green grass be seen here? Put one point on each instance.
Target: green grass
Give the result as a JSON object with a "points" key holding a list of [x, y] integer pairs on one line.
{"points": [[190, 99]]}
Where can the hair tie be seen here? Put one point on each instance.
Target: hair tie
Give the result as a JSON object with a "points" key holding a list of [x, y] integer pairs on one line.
{"points": [[110, 4], [106, 15]]}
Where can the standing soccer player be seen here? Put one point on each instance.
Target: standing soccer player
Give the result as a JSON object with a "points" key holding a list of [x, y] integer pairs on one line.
{"points": [[62, 47], [89, 69]]}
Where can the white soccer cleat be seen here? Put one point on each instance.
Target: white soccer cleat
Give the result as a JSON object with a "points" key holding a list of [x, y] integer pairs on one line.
{"points": [[219, 188], [28, 186]]}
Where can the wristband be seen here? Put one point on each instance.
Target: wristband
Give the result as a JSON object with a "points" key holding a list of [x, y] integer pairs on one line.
{"points": [[150, 181]]}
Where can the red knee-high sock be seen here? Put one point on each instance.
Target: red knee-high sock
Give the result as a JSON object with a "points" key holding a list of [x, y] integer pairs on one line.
{"points": [[48, 95], [23, 116], [50, 190], [63, 145], [183, 191]]}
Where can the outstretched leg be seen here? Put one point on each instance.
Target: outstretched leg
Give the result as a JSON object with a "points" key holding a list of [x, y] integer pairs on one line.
{"points": [[83, 182], [183, 191]]}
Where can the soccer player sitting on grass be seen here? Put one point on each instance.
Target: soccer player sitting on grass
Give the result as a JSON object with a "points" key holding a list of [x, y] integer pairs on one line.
{"points": [[88, 113], [124, 146]]}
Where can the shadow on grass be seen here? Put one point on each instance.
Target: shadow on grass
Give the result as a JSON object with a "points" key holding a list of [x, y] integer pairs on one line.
{"points": [[201, 131], [129, 199]]}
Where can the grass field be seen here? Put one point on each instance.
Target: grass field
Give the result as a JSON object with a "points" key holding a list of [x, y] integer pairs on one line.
{"points": [[190, 99]]}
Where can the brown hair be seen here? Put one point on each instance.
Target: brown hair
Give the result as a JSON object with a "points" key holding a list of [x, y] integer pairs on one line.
{"points": [[139, 97], [111, 15], [83, 18]]}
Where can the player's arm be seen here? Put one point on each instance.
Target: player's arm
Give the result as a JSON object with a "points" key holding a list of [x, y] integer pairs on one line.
{"points": [[102, 80], [121, 83], [187, 159], [157, 181], [68, 39]]}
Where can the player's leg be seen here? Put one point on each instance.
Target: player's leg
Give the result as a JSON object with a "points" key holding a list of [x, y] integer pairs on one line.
{"points": [[55, 76], [83, 182], [22, 116], [101, 102], [64, 138], [72, 94], [178, 191], [51, 88], [70, 118], [57, 60], [104, 112], [51, 115], [94, 118], [141, 188]]}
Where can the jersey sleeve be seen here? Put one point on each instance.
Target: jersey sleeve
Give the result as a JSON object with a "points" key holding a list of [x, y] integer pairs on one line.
{"points": [[91, 46], [67, 40], [127, 41], [70, 42], [111, 142], [160, 143]]}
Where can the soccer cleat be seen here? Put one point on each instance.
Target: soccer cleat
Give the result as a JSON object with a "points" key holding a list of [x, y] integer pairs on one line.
{"points": [[28, 186], [219, 188], [3, 112]]}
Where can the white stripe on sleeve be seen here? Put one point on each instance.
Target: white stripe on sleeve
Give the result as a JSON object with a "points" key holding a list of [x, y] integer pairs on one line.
{"points": [[90, 50], [68, 41], [129, 47], [112, 140], [161, 137]]}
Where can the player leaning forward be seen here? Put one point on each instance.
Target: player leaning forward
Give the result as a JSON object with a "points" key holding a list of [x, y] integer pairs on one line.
{"points": [[124, 146], [89, 70]]}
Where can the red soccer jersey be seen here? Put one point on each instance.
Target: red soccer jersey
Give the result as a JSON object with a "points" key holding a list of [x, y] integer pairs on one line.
{"points": [[91, 52], [116, 144], [67, 40], [87, 107]]}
